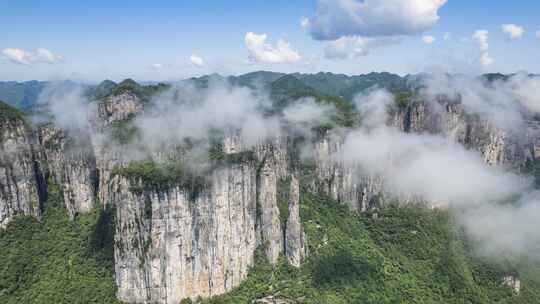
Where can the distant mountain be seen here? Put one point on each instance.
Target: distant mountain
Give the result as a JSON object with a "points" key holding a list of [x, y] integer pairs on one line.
{"points": [[102, 90], [338, 85], [349, 86], [21, 94], [256, 79], [25, 94]]}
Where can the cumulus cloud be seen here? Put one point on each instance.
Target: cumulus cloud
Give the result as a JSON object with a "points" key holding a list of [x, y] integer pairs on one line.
{"points": [[428, 39], [482, 39], [339, 18], [353, 47], [261, 51], [197, 60], [513, 31], [24, 57]]}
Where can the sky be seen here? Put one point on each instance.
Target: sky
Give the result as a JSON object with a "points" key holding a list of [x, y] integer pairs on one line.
{"points": [[171, 40]]}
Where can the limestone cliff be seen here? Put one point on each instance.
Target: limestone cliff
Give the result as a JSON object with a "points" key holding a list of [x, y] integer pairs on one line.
{"points": [[180, 242], [21, 183], [173, 244], [69, 160]]}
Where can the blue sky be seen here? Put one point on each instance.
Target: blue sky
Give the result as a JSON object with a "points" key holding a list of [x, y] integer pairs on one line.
{"points": [[154, 40]]}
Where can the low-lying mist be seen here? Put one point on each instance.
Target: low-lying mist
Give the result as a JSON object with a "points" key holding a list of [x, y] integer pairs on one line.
{"points": [[499, 209]]}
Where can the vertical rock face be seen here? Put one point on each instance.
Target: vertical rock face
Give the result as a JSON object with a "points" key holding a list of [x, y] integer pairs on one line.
{"points": [[449, 119], [172, 245], [272, 167], [361, 192], [20, 179], [341, 182], [295, 238], [119, 107], [70, 161]]}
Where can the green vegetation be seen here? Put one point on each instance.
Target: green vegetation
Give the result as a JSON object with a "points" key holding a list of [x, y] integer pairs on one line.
{"points": [[9, 113], [151, 176], [347, 87], [403, 99], [289, 89], [532, 168], [219, 157], [397, 255], [124, 132], [145, 93], [102, 90], [57, 260]]}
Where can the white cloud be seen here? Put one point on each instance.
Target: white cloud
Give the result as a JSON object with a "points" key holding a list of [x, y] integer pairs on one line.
{"points": [[514, 31], [411, 164], [353, 47], [482, 39], [338, 18], [428, 39], [485, 59], [24, 57], [17, 56], [538, 34], [261, 51], [44, 55], [196, 60], [157, 66]]}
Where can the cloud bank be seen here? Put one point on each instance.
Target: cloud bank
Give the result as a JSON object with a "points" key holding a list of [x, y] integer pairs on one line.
{"points": [[339, 18], [499, 209]]}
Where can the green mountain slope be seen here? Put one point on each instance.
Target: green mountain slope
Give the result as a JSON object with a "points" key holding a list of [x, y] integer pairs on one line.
{"points": [[397, 255], [21, 94], [57, 260]]}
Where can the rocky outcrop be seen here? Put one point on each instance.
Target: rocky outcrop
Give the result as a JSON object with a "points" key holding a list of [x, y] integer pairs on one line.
{"points": [[513, 282], [174, 244], [295, 238], [343, 183], [117, 107], [449, 119], [21, 183], [69, 160]]}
